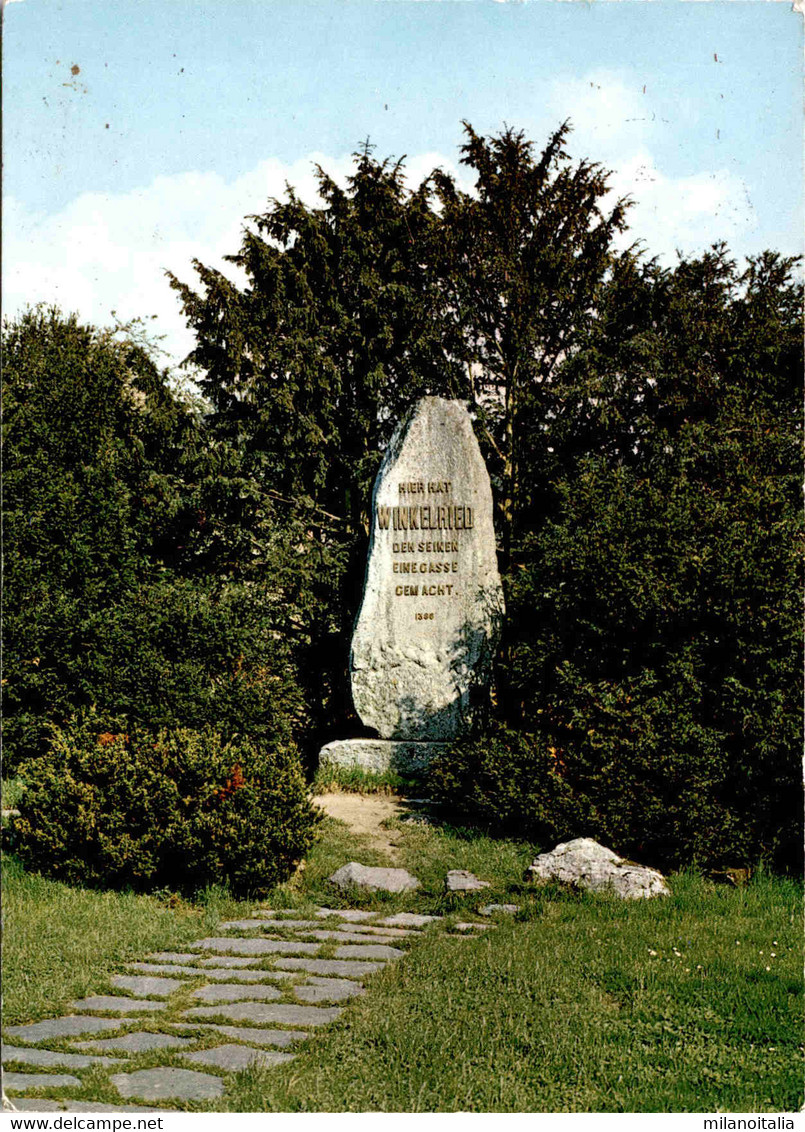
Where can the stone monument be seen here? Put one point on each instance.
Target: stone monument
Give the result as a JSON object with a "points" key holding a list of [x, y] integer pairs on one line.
{"points": [[432, 608]]}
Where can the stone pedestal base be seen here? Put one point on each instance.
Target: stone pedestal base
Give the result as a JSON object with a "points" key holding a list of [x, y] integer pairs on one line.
{"points": [[380, 755]]}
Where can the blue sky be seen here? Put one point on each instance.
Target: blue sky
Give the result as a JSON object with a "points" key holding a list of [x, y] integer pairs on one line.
{"points": [[183, 116]]}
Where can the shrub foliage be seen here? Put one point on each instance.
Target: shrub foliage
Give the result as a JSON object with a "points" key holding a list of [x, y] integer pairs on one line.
{"points": [[176, 808]]}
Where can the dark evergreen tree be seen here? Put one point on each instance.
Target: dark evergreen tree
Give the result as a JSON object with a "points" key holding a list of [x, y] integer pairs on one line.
{"points": [[309, 368], [655, 622], [111, 532], [522, 262]]}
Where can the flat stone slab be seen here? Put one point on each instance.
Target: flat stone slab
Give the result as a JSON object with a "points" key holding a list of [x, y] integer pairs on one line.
{"points": [[234, 974], [266, 922], [51, 1059], [586, 864], [139, 1042], [112, 1003], [171, 957], [233, 992], [381, 756], [368, 951], [354, 915], [345, 936], [469, 927], [461, 880], [39, 1080], [347, 967], [167, 1084], [283, 1013], [252, 1034], [250, 925], [227, 961], [99, 1106], [146, 984], [232, 1058], [257, 946], [173, 968], [355, 875], [490, 909], [368, 931], [328, 990], [67, 1027], [35, 1104], [408, 920]]}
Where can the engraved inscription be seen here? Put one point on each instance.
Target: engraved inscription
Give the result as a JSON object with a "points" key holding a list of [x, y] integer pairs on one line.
{"points": [[435, 556]]}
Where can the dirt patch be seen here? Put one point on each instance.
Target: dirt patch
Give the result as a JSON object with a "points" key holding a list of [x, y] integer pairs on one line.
{"points": [[365, 813]]}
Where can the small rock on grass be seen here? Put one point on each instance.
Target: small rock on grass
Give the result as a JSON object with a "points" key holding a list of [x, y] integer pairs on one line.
{"points": [[266, 925], [345, 936], [226, 974], [461, 880], [366, 931], [34, 1104], [490, 909], [373, 879], [227, 961], [586, 864]]}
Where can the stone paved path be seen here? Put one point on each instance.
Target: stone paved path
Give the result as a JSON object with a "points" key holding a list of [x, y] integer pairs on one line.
{"points": [[177, 1024]]}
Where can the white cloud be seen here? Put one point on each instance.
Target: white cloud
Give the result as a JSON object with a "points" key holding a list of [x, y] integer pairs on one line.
{"points": [[682, 213], [615, 121], [108, 252]]}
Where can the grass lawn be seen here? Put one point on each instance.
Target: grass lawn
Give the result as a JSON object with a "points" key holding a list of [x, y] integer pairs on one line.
{"points": [[691, 1003], [61, 943]]}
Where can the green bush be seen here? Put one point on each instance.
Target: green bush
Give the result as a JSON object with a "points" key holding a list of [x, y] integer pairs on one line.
{"points": [[510, 782], [169, 653], [654, 643], [169, 809]]}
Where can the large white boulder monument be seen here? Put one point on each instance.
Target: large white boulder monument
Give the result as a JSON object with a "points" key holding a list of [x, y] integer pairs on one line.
{"points": [[432, 608]]}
